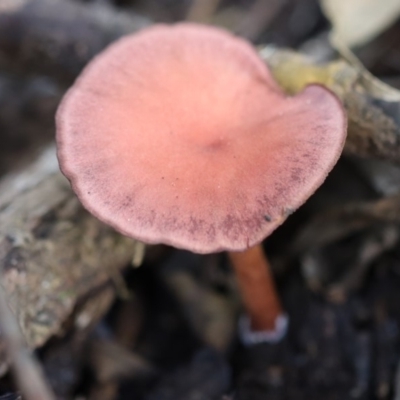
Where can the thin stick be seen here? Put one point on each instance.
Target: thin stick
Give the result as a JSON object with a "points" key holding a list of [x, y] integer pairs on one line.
{"points": [[27, 371], [257, 288]]}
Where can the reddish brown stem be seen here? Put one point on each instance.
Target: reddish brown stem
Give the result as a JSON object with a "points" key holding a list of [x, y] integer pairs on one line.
{"points": [[257, 287]]}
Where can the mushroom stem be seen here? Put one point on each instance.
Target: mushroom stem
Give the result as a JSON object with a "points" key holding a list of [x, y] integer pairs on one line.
{"points": [[257, 287]]}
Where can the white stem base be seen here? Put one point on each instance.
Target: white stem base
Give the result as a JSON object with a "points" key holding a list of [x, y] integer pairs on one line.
{"points": [[251, 338]]}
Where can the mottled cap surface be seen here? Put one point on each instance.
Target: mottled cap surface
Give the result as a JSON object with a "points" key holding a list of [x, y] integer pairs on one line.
{"points": [[179, 135]]}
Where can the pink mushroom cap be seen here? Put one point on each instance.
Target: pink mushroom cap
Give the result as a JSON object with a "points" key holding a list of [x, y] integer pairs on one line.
{"points": [[179, 135]]}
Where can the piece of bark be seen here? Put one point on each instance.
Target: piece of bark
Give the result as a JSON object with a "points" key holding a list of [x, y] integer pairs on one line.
{"points": [[52, 252], [58, 37]]}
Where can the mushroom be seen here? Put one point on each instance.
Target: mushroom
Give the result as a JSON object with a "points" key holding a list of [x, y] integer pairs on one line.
{"points": [[179, 135]]}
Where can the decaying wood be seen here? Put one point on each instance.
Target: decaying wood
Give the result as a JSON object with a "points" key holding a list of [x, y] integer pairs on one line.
{"points": [[27, 370], [52, 252], [58, 37]]}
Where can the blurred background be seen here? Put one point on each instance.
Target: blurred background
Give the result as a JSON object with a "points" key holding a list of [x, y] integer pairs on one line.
{"points": [[109, 319]]}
